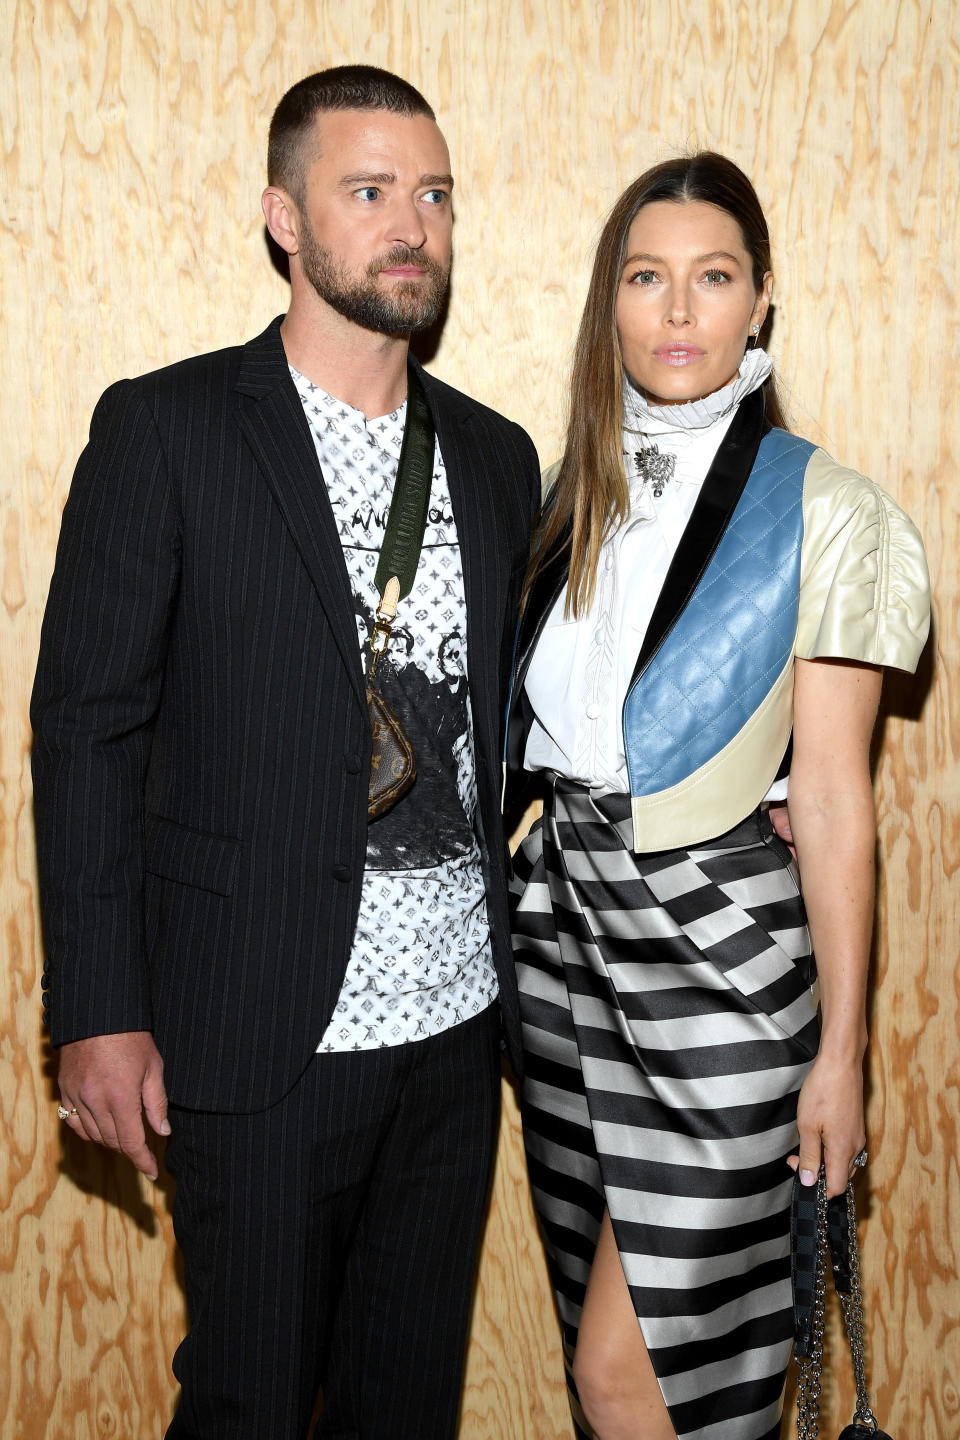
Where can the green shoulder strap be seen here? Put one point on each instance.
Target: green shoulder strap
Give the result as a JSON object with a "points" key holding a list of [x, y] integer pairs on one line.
{"points": [[407, 520]]}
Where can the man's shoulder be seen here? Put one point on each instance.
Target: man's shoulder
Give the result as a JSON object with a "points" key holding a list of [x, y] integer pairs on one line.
{"points": [[459, 403], [211, 367], [500, 444]]}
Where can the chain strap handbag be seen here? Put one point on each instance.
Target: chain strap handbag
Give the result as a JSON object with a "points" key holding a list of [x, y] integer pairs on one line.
{"points": [[393, 765], [816, 1226]]}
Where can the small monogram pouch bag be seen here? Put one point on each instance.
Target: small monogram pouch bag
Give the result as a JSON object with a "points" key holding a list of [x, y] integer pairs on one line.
{"points": [[819, 1226], [393, 765]]}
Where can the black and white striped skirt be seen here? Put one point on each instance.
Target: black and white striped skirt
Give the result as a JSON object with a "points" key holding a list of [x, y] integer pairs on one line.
{"points": [[669, 1022]]}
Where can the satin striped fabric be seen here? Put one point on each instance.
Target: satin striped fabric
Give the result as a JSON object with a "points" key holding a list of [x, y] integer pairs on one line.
{"points": [[669, 1021]]}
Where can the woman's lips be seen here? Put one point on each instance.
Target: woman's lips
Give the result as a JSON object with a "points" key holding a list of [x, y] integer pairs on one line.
{"points": [[678, 354]]}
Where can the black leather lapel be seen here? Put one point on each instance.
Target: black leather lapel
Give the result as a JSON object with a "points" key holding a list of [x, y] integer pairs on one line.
{"points": [[271, 418], [715, 504], [543, 596], [540, 602]]}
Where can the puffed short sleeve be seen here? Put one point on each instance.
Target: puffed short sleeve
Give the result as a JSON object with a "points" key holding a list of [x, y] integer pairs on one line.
{"points": [[864, 586]]}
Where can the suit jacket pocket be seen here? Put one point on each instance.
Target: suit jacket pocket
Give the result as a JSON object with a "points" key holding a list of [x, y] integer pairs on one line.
{"points": [[190, 856]]}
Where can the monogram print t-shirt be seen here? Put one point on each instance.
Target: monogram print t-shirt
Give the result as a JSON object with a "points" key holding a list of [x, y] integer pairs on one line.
{"points": [[421, 959]]}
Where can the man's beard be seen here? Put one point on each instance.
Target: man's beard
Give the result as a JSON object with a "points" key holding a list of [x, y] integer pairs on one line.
{"points": [[409, 306]]}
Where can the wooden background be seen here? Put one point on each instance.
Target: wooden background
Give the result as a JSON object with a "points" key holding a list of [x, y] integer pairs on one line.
{"points": [[133, 136]]}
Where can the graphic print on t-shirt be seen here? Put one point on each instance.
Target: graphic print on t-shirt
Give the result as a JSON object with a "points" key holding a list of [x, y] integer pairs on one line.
{"points": [[429, 823]]}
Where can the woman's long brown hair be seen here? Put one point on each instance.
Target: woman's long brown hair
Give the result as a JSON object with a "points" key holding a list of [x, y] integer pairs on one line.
{"points": [[591, 496]]}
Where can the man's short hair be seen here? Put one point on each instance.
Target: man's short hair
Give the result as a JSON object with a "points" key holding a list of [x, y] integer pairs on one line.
{"points": [[344, 87]]}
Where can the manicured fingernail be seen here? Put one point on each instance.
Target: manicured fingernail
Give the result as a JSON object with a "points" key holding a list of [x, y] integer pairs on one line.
{"points": [[165, 1127], [807, 1177]]}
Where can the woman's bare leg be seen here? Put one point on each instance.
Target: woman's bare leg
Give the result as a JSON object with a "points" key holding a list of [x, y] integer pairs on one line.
{"points": [[614, 1377]]}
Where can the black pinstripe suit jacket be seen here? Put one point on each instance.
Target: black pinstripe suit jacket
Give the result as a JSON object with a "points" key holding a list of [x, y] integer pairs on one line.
{"points": [[201, 738]]}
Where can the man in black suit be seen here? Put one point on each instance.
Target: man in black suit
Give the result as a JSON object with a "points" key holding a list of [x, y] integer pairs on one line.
{"points": [[319, 1000]]}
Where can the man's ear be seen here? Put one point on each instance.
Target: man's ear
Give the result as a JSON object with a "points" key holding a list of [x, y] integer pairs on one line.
{"points": [[282, 219]]}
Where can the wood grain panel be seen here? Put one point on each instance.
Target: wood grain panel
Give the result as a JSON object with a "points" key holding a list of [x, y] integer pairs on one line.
{"points": [[133, 137]]}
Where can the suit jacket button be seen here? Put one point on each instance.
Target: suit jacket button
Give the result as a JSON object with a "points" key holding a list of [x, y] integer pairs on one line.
{"points": [[45, 981], [342, 872], [45, 1017]]}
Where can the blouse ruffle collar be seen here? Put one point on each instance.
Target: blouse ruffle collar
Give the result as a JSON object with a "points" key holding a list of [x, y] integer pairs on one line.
{"points": [[639, 416]]}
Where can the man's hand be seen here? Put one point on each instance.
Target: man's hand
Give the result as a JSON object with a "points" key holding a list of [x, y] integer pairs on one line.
{"points": [[113, 1081]]}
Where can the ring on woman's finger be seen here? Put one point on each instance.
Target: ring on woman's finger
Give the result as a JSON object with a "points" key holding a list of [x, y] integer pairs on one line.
{"points": [[63, 1113], [860, 1160]]}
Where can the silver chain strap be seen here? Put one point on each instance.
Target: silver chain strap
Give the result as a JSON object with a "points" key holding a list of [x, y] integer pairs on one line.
{"points": [[810, 1370], [852, 1307]]}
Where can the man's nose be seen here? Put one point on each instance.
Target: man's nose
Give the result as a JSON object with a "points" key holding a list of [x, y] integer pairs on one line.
{"points": [[407, 227]]}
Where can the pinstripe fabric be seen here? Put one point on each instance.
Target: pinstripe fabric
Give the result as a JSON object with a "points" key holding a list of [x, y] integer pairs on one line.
{"points": [[332, 1240], [201, 737], [668, 1025]]}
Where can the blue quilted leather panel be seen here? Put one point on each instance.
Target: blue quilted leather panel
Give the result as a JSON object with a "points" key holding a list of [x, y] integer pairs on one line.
{"points": [[735, 635]]}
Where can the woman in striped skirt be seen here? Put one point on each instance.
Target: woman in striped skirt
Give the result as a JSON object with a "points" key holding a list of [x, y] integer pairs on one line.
{"points": [[709, 604]]}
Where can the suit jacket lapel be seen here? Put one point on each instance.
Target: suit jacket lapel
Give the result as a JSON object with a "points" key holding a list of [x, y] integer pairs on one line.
{"points": [[715, 504], [484, 551], [272, 420]]}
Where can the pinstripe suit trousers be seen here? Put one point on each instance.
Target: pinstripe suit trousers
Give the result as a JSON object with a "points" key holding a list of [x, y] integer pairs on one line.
{"points": [[330, 1242]]}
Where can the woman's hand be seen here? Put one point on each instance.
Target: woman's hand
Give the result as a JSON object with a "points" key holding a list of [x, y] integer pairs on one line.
{"points": [[830, 1120]]}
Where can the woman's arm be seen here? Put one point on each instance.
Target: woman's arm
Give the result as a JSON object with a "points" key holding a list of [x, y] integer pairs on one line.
{"points": [[834, 830]]}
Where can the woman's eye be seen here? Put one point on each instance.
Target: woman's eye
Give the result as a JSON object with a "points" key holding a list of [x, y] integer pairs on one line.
{"points": [[716, 277], [645, 277]]}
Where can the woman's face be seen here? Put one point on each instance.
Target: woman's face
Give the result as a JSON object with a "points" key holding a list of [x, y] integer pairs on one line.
{"points": [[686, 302]]}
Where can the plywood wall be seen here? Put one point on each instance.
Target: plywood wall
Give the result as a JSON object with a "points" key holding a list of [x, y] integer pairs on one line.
{"points": [[132, 135]]}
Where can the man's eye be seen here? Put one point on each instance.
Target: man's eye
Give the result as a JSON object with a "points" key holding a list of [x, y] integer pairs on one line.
{"points": [[369, 192], [435, 197]]}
